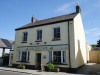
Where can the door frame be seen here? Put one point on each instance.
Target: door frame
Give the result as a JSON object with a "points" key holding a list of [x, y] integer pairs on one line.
{"points": [[38, 60]]}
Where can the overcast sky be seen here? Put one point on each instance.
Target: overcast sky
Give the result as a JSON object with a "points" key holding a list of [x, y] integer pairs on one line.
{"points": [[15, 13]]}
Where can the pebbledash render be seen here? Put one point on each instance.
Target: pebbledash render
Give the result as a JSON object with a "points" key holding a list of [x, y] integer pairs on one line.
{"points": [[59, 40]]}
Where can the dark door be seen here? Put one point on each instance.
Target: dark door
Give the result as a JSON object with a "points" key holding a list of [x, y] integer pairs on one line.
{"points": [[38, 61]]}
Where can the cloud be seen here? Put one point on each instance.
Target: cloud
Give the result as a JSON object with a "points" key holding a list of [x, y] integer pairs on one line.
{"points": [[92, 35], [93, 32], [69, 7], [89, 31], [65, 8]]}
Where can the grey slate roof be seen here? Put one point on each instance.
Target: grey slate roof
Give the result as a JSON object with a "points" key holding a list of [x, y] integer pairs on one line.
{"points": [[49, 21], [4, 43]]}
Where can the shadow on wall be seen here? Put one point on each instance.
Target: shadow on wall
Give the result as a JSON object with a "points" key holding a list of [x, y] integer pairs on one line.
{"points": [[79, 58]]}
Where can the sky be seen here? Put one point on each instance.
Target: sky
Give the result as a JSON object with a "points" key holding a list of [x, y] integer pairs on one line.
{"points": [[16, 13]]}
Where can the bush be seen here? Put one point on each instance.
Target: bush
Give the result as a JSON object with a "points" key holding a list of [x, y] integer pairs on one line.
{"points": [[50, 66], [21, 66]]}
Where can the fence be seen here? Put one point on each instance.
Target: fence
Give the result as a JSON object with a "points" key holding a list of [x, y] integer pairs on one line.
{"points": [[94, 56]]}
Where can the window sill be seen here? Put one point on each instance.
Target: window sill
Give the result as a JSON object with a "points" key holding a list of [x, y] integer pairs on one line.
{"points": [[23, 61], [24, 42], [38, 41], [56, 39]]}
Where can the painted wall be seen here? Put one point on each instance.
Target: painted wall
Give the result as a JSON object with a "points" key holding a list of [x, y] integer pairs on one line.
{"points": [[76, 38], [80, 42], [47, 37], [72, 44]]}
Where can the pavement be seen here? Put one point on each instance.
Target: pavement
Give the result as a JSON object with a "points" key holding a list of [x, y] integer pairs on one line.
{"points": [[90, 68], [35, 72]]}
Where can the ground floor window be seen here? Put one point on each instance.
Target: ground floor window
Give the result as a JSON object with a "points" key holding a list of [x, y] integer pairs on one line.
{"points": [[57, 56], [24, 56]]}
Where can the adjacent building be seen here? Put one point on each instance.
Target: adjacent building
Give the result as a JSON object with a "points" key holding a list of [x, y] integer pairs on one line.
{"points": [[4, 45], [59, 40]]}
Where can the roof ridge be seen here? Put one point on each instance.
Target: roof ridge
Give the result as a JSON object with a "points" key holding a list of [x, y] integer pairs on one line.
{"points": [[58, 16], [3, 44], [7, 42], [49, 21]]}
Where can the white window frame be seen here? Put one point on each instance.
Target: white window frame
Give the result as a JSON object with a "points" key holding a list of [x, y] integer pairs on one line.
{"points": [[37, 34], [27, 56], [23, 36], [61, 56], [53, 32]]}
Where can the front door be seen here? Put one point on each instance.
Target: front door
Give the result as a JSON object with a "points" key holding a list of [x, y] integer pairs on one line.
{"points": [[38, 61]]}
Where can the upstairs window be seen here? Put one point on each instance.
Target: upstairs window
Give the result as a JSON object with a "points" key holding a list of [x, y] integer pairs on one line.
{"points": [[57, 33], [25, 35], [39, 35]]}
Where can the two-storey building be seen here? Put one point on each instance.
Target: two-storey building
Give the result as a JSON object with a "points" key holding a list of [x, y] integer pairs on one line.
{"points": [[60, 40]]}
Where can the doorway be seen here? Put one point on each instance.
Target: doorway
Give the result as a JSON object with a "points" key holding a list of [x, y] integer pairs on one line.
{"points": [[38, 61]]}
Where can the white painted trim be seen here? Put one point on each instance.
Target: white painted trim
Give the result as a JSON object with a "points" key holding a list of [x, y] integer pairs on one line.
{"points": [[52, 55], [10, 59], [20, 55], [27, 56], [61, 56]]}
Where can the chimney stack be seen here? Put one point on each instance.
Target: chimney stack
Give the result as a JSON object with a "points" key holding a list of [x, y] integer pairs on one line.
{"points": [[78, 9], [33, 19]]}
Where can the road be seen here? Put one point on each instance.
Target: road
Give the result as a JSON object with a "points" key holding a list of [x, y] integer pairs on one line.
{"points": [[2, 72]]}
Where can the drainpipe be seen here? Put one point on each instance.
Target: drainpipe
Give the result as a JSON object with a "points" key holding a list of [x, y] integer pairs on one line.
{"points": [[69, 45]]}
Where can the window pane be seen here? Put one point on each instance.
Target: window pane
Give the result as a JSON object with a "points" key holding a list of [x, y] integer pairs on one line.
{"points": [[55, 36], [64, 56], [57, 56], [39, 35], [25, 34], [24, 54], [54, 30], [50, 56], [58, 29], [28, 56], [19, 56], [40, 31], [56, 33]]}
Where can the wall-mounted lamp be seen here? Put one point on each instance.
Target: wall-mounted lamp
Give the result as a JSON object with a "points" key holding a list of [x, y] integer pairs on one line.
{"points": [[30, 43], [45, 42], [37, 43]]}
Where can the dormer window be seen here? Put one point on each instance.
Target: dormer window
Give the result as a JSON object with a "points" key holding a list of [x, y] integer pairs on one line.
{"points": [[24, 36]]}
